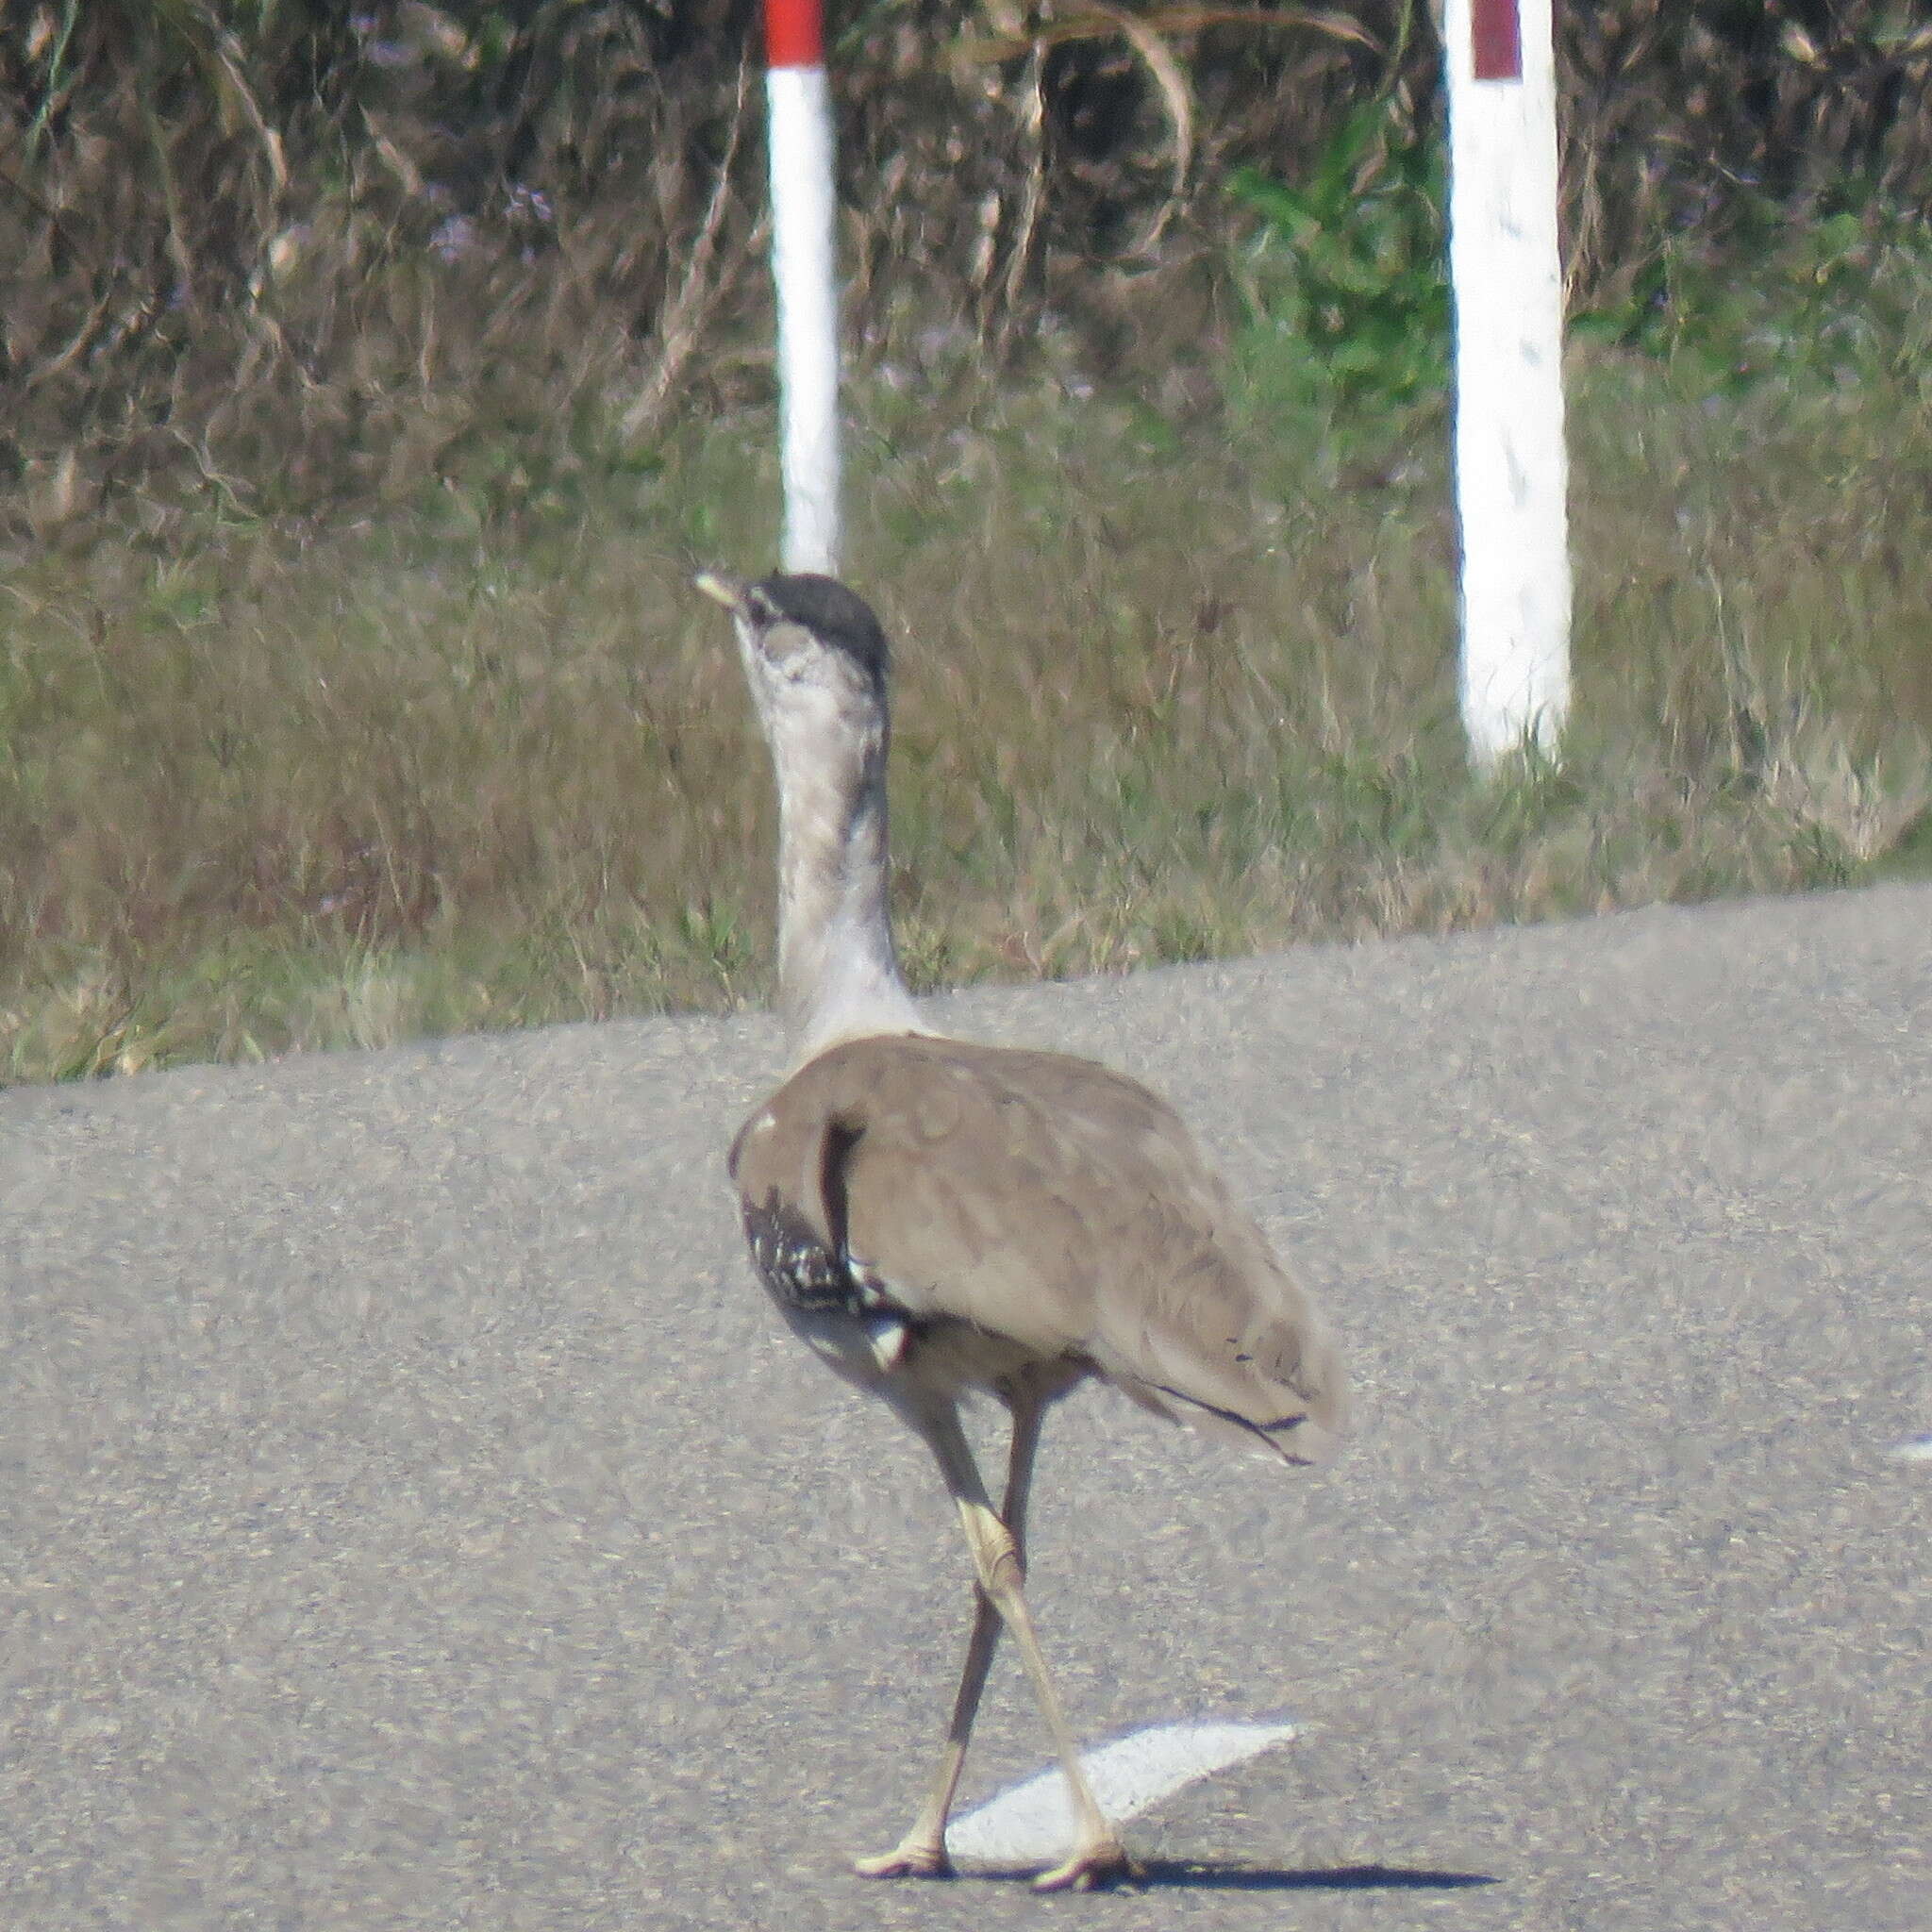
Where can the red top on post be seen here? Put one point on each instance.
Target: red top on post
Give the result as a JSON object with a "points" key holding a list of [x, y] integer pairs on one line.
{"points": [[1496, 32], [795, 33]]}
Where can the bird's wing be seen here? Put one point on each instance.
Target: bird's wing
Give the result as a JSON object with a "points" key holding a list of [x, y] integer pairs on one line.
{"points": [[1061, 1204]]}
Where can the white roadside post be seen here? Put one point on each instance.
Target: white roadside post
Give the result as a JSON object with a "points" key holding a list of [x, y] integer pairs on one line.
{"points": [[1511, 471], [804, 208]]}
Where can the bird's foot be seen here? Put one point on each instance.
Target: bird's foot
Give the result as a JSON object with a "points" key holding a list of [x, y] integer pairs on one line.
{"points": [[912, 1858], [1090, 1869]]}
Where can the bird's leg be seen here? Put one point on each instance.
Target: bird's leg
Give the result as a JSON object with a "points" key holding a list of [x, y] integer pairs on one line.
{"points": [[1098, 1856], [922, 1853]]}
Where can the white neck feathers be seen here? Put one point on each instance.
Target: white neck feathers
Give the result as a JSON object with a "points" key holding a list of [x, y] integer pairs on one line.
{"points": [[838, 974]]}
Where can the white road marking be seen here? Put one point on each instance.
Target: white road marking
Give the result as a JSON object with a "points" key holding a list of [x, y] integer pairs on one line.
{"points": [[1033, 1820], [1919, 1449]]}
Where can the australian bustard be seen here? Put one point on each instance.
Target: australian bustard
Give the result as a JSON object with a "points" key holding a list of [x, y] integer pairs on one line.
{"points": [[937, 1218]]}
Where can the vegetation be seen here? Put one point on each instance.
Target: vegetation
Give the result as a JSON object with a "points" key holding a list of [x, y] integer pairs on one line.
{"points": [[283, 258], [376, 380]]}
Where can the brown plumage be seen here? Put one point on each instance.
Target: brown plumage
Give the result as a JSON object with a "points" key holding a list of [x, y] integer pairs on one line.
{"points": [[939, 1218], [1054, 1205]]}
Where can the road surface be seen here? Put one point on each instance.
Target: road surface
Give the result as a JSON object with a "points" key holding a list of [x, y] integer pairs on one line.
{"points": [[413, 1516]]}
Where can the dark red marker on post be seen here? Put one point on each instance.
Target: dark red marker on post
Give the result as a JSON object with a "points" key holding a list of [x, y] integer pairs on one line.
{"points": [[1495, 30], [795, 33]]}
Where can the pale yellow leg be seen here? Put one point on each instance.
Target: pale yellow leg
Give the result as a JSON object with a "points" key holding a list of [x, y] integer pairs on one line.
{"points": [[922, 1853], [1098, 1855]]}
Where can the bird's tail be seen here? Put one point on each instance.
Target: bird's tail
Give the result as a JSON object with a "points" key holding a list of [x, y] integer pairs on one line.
{"points": [[1271, 1383], [1303, 1433]]}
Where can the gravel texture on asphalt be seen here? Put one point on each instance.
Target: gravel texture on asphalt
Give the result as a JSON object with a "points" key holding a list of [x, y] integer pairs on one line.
{"points": [[412, 1516]]}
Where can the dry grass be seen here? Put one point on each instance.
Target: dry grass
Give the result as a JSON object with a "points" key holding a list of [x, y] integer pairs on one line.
{"points": [[1168, 687], [1177, 664], [300, 260]]}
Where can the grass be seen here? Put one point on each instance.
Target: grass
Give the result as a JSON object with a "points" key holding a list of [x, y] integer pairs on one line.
{"points": [[1170, 686]]}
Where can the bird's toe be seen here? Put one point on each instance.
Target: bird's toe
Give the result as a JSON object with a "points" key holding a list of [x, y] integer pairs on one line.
{"points": [[910, 1858], [1091, 1867]]}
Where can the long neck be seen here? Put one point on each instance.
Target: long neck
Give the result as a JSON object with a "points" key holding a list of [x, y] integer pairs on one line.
{"points": [[838, 976]]}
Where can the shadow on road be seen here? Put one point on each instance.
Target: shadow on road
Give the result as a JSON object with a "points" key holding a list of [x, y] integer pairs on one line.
{"points": [[1208, 1874], [1161, 1875]]}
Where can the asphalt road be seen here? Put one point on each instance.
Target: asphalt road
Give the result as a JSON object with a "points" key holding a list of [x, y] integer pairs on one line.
{"points": [[413, 1516]]}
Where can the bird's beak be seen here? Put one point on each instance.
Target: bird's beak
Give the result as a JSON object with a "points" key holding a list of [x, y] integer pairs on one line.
{"points": [[724, 589]]}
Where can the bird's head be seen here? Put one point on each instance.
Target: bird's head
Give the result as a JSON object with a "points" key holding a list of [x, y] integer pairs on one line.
{"points": [[813, 655]]}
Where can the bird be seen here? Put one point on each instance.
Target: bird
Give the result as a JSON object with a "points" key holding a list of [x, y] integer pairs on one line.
{"points": [[939, 1219]]}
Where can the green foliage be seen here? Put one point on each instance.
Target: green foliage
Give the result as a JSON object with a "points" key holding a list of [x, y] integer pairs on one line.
{"points": [[1348, 304], [1839, 297], [1346, 286]]}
